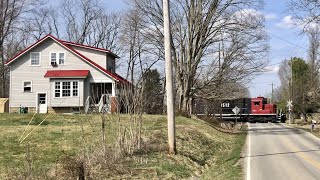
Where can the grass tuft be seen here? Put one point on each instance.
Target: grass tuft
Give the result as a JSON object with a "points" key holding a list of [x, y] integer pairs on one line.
{"points": [[64, 143]]}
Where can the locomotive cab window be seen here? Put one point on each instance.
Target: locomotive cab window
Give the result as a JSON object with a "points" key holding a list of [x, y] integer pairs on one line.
{"points": [[256, 103]]}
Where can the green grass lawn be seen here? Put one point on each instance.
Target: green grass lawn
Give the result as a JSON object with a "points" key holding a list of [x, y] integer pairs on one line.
{"points": [[202, 151], [307, 127]]}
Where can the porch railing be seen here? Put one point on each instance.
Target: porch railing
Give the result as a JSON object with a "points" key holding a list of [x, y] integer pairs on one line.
{"points": [[103, 105], [87, 104]]}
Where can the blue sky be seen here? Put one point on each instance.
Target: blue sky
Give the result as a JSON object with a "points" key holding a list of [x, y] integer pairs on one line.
{"points": [[285, 42], [284, 38]]}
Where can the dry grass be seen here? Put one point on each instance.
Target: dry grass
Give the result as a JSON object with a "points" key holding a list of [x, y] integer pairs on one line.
{"points": [[58, 147], [306, 125]]}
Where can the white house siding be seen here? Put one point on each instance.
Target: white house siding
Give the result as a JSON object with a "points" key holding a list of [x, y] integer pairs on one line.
{"points": [[98, 57], [86, 89], [66, 101], [22, 71]]}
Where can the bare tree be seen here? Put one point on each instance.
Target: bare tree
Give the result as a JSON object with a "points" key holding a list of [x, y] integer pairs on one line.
{"points": [[42, 21], [132, 40], [314, 60], [306, 12], [198, 26], [11, 15], [79, 16], [81, 21], [106, 32]]}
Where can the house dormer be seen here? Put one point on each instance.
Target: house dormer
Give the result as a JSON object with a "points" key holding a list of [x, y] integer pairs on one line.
{"points": [[103, 57], [110, 64]]}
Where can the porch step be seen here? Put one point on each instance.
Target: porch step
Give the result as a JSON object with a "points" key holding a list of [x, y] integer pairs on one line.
{"points": [[102, 106]]}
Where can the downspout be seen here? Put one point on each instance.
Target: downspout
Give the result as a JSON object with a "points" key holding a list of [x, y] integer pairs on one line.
{"points": [[107, 61], [10, 89]]}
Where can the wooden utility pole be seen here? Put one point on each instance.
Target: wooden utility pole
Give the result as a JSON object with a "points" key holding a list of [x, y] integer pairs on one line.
{"points": [[291, 91], [271, 93], [169, 79]]}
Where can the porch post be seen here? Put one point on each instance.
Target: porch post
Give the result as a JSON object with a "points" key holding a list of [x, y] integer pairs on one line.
{"points": [[113, 99], [113, 89]]}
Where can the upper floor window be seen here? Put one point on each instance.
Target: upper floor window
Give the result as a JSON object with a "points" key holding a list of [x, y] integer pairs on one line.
{"points": [[61, 58], [53, 58], [35, 58], [27, 86], [110, 65], [57, 58]]}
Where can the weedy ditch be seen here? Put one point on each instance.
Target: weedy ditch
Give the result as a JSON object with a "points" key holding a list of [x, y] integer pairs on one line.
{"points": [[70, 146]]}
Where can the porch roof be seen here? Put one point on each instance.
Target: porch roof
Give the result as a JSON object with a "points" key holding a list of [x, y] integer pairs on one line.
{"points": [[67, 73]]}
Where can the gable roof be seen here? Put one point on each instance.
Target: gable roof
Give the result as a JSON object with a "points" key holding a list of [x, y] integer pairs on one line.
{"points": [[67, 73], [66, 45], [90, 47]]}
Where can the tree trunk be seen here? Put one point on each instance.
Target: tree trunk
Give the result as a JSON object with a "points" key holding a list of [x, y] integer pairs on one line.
{"points": [[3, 75], [185, 102]]}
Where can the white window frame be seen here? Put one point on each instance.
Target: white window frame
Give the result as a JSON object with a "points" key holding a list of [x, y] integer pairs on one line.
{"points": [[74, 89], [58, 57], [39, 59], [71, 88], [110, 65], [23, 86], [50, 57], [64, 58], [54, 89]]}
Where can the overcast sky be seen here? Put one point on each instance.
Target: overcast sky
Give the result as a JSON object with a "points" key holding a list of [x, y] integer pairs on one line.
{"points": [[285, 42]]}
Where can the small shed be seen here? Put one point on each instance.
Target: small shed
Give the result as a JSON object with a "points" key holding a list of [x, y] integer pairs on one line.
{"points": [[4, 105]]}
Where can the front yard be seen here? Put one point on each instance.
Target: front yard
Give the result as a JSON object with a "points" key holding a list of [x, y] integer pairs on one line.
{"points": [[53, 149]]}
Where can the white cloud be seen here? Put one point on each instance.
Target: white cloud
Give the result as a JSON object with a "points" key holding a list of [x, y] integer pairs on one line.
{"points": [[286, 22], [272, 69], [270, 16], [250, 16], [245, 13]]}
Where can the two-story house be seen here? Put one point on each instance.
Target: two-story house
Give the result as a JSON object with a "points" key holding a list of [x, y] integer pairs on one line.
{"points": [[60, 76]]}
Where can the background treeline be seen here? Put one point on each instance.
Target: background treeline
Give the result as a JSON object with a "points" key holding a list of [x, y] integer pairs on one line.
{"points": [[217, 45]]}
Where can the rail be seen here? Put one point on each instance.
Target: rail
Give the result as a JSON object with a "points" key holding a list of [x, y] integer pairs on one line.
{"points": [[103, 103], [87, 104]]}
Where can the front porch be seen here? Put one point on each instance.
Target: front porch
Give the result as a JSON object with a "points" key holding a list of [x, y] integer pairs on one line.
{"points": [[101, 98]]}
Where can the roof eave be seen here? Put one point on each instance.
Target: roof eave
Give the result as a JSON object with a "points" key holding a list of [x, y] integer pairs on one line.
{"points": [[111, 75], [26, 50], [65, 77]]}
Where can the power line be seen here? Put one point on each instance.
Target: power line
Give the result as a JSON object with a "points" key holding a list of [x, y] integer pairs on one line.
{"points": [[285, 40]]}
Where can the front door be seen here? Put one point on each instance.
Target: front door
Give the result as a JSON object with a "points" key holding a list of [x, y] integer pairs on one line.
{"points": [[42, 103]]}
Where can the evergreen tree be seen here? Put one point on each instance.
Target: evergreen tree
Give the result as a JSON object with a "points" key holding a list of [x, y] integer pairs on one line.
{"points": [[300, 85], [153, 95]]}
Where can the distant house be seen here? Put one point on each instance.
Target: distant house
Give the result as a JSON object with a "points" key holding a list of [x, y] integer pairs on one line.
{"points": [[60, 76]]}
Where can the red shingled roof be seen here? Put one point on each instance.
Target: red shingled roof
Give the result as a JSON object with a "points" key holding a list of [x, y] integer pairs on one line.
{"points": [[67, 73], [67, 46]]}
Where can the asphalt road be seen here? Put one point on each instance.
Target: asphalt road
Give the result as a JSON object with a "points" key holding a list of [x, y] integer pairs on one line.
{"points": [[280, 152]]}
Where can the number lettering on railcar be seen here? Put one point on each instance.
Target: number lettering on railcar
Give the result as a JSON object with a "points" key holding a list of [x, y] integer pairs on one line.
{"points": [[225, 105]]}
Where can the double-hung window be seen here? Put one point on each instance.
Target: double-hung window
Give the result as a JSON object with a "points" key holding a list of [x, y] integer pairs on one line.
{"points": [[35, 58], [57, 89], [75, 88], [27, 86], [57, 58], [61, 58], [66, 89], [53, 58]]}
